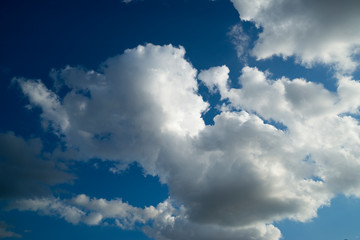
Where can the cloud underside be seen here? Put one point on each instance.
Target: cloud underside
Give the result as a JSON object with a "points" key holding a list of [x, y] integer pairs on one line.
{"points": [[279, 149], [6, 233], [25, 171], [314, 31]]}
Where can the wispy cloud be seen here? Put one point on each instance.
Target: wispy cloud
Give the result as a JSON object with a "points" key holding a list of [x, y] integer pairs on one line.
{"points": [[6, 233], [240, 40]]}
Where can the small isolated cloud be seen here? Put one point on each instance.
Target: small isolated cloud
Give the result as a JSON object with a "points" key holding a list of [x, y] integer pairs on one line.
{"points": [[230, 180], [240, 40], [40, 96], [314, 31], [6, 233]]}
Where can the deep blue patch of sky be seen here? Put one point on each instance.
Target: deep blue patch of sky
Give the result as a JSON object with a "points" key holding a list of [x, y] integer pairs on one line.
{"points": [[330, 223], [131, 185]]}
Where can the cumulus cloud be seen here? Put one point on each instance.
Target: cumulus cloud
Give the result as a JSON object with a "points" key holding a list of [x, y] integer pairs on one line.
{"points": [[122, 111], [318, 122], [279, 149], [314, 31], [24, 171], [82, 209]]}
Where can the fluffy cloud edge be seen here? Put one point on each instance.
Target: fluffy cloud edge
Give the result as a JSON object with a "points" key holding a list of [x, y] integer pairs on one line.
{"points": [[162, 117], [313, 32], [165, 221]]}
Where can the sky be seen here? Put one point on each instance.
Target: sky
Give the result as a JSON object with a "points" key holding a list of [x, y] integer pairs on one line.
{"points": [[180, 119]]}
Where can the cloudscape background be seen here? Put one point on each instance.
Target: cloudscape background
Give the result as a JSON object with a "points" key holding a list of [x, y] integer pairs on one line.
{"points": [[169, 120]]}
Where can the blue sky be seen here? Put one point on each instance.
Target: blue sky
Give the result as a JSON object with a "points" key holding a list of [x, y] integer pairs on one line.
{"points": [[166, 120]]}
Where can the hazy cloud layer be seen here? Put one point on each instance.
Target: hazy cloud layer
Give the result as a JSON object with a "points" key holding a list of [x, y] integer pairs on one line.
{"points": [[314, 31], [5, 231], [279, 148], [24, 172]]}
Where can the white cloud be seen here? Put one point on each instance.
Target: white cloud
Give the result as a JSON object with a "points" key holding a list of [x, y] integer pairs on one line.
{"points": [[161, 222], [234, 178], [240, 40], [42, 97], [317, 121], [50, 206], [82, 209], [138, 96], [216, 77], [314, 31]]}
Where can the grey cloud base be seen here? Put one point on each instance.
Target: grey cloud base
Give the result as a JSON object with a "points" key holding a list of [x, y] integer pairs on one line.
{"points": [[5, 231], [231, 180], [24, 171]]}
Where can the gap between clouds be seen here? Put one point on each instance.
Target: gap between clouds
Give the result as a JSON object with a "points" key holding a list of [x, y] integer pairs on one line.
{"points": [[232, 179]]}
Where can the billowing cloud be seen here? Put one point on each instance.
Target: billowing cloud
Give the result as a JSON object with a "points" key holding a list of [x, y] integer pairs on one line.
{"points": [[24, 172], [314, 31], [320, 125], [279, 149], [122, 112]]}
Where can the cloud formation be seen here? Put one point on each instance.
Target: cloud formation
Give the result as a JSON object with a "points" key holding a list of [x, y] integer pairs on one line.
{"points": [[319, 124], [24, 171], [240, 40], [123, 112], [41, 97], [314, 31], [279, 149], [161, 222], [6, 233]]}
